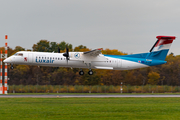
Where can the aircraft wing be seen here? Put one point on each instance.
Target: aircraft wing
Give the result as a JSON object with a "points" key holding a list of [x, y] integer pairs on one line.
{"points": [[94, 52]]}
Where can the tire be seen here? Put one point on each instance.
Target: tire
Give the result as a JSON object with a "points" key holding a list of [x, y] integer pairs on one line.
{"points": [[12, 67], [90, 72], [81, 72]]}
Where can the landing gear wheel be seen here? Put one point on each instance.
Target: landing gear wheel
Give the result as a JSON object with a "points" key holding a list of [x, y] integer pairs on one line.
{"points": [[81, 72], [90, 72]]}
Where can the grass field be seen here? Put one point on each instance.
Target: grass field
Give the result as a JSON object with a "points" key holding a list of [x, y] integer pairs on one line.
{"points": [[89, 108]]}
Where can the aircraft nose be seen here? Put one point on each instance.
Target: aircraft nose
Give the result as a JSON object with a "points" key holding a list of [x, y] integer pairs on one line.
{"points": [[7, 60]]}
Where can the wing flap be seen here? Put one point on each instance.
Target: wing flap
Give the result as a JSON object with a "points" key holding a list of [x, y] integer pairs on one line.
{"points": [[94, 52]]}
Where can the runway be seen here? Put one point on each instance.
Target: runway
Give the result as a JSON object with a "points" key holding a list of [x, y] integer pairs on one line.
{"points": [[86, 96]]}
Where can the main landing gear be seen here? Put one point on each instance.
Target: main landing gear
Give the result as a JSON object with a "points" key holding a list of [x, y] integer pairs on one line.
{"points": [[81, 72], [90, 72]]}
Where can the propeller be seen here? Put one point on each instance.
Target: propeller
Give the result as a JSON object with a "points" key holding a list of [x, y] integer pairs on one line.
{"points": [[59, 50], [66, 54]]}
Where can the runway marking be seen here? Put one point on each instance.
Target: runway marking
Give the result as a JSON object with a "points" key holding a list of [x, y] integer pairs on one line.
{"points": [[85, 96]]}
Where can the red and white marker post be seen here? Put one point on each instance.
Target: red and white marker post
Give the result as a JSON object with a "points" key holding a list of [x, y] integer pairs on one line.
{"points": [[6, 70], [1, 86]]}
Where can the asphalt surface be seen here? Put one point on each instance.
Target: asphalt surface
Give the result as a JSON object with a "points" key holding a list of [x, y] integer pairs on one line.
{"points": [[84, 96]]}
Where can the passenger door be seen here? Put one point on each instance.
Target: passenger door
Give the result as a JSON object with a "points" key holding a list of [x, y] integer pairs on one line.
{"points": [[30, 58]]}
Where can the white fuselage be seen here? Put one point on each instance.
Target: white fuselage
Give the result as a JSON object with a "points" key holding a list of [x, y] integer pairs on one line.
{"points": [[76, 60]]}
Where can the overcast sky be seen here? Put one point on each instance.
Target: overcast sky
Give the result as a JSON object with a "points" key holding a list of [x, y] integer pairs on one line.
{"points": [[130, 26]]}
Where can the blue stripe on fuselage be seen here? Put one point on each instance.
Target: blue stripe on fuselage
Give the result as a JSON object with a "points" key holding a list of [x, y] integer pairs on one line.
{"points": [[157, 55], [141, 60]]}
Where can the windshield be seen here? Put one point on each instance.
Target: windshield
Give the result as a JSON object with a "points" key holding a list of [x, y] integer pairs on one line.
{"points": [[18, 54]]}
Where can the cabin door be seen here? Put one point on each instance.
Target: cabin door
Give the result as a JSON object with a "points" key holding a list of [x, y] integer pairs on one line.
{"points": [[30, 58]]}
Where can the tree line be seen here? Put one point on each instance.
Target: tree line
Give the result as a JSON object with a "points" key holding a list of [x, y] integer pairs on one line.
{"points": [[166, 74]]}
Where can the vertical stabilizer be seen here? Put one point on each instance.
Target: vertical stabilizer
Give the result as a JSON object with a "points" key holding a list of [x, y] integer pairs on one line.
{"points": [[160, 49]]}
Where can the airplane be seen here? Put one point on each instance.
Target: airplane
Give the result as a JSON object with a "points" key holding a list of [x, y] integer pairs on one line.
{"points": [[94, 59]]}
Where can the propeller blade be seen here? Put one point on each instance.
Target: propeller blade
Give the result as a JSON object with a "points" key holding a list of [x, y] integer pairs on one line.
{"points": [[67, 51], [66, 54], [59, 50]]}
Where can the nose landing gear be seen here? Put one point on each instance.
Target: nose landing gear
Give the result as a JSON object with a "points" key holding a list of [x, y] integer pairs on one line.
{"points": [[12, 66]]}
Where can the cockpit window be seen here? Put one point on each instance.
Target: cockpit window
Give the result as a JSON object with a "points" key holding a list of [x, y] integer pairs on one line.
{"points": [[18, 54]]}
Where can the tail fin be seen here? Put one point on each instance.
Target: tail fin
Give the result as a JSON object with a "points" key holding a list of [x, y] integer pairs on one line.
{"points": [[161, 47]]}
